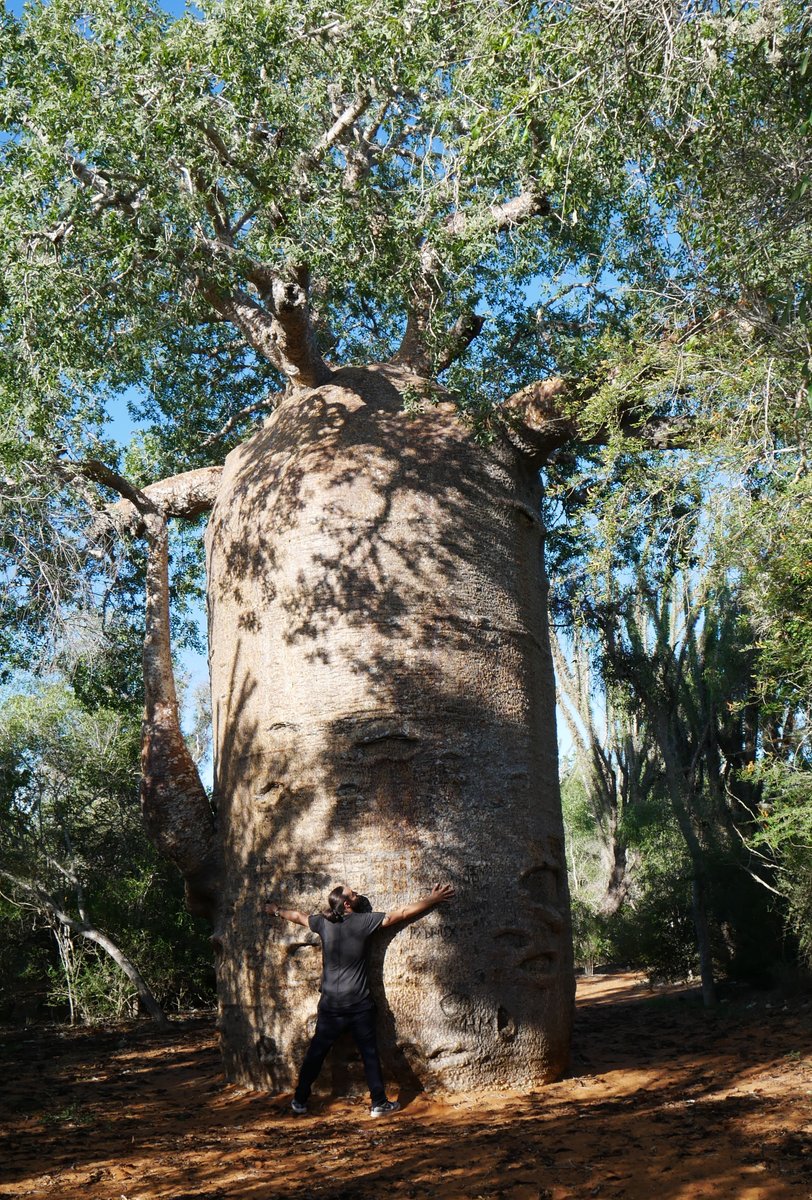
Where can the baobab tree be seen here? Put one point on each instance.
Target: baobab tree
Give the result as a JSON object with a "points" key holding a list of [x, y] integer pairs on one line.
{"points": [[311, 234]]}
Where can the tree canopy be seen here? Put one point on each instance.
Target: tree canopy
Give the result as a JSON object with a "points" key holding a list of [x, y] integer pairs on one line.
{"points": [[212, 208], [173, 189]]}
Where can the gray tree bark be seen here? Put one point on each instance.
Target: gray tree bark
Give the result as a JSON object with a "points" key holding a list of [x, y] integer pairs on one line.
{"points": [[384, 716]]}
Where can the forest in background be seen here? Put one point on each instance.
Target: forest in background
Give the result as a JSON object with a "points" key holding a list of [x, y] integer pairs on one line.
{"points": [[670, 278]]}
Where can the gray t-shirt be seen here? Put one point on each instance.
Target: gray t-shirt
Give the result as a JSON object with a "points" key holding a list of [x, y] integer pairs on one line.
{"points": [[343, 950]]}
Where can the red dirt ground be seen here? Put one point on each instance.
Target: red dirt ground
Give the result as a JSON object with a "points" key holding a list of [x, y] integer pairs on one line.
{"points": [[664, 1102]]}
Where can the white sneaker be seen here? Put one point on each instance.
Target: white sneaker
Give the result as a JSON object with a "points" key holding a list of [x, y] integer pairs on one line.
{"points": [[299, 1109], [383, 1110]]}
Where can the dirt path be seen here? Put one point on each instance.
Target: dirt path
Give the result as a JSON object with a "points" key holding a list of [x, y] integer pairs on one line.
{"points": [[664, 1102]]}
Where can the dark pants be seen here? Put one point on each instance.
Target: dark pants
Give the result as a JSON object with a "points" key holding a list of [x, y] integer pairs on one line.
{"points": [[330, 1025]]}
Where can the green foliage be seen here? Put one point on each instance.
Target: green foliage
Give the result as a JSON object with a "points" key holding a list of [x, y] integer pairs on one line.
{"points": [[26, 957], [677, 668], [784, 832], [134, 141], [585, 871], [147, 917], [775, 541], [148, 161], [70, 826], [591, 940], [657, 934], [653, 929]]}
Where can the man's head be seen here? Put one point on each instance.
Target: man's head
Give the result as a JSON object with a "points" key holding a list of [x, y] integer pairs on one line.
{"points": [[343, 900]]}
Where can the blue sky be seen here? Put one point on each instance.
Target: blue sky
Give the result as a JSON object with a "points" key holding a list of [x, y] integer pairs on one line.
{"points": [[174, 7]]}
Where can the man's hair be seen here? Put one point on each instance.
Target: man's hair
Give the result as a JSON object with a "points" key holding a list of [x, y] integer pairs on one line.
{"points": [[336, 904]]}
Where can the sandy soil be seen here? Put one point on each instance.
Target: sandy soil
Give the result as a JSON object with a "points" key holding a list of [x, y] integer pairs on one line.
{"points": [[664, 1101]]}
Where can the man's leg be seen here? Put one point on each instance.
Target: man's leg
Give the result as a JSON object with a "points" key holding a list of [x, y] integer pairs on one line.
{"points": [[329, 1027], [362, 1027]]}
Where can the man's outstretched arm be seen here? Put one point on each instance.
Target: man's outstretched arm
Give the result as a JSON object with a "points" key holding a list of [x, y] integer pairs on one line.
{"points": [[287, 914], [441, 893]]}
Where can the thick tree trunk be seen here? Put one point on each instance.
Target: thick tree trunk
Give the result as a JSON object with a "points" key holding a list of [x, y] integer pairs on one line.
{"points": [[384, 716]]}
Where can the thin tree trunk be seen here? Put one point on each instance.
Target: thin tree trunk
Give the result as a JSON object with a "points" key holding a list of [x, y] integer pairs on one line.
{"points": [[698, 886], [617, 883], [145, 996], [700, 914], [176, 809], [699, 905], [62, 941]]}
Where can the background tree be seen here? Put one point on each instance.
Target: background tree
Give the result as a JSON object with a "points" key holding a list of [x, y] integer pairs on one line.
{"points": [[74, 862], [673, 645], [614, 759]]}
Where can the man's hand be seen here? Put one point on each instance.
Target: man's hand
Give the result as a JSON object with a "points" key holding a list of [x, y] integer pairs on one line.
{"points": [[441, 893]]}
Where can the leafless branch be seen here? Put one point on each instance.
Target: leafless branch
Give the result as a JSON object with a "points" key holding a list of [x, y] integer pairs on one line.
{"points": [[361, 155], [187, 495], [268, 403], [344, 121]]}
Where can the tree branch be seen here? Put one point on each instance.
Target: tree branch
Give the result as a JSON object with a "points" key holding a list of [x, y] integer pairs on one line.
{"points": [[254, 322], [269, 402], [296, 345], [505, 216], [465, 329], [414, 351], [229, 159], [99, 472], [537, 423], [284, 336], [344, 121], [105, 195], [187, 496], [361, 154], [533, 420]]}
